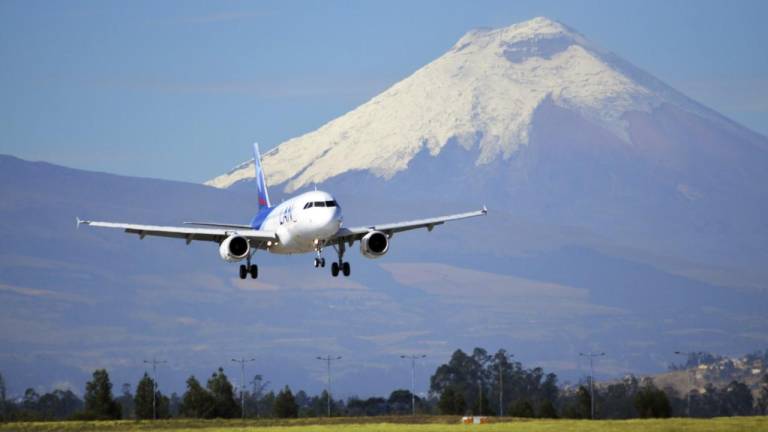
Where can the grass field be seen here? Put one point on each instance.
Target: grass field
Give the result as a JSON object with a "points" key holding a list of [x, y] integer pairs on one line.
{"points": [[403, 424]]}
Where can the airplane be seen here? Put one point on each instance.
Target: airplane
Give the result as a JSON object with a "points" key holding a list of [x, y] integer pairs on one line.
{"points": [[307, 223]]}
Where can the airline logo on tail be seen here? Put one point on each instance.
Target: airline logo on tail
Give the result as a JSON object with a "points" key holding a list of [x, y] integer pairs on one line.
{"points": [[260, 183]]}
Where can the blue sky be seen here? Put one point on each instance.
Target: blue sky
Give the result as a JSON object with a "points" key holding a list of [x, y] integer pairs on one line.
{"points": [[179, 90]]}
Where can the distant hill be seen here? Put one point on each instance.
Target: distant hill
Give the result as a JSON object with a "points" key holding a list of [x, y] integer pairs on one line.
{"points": [[624, 218], [749, 369]]}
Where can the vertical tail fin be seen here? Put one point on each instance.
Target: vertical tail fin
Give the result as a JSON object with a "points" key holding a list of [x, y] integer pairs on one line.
{"points": [[260, 182]]}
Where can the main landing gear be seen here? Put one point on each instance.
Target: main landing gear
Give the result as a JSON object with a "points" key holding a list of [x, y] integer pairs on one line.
{"points": [[342, 265], [251, 269]]}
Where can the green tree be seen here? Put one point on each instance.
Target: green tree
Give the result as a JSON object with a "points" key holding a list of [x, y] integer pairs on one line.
{"points": [[736, 399], [3, 410], [58, 405], [400, 402], [521, 408], [99, 403], [174, 405], [373, 406], [316, 406], [126, 401], [197, 402], [451, 402], [2, 389], [463, 373], [285, 405], [31, 397], [762, 399], [482, 405], [223, 395], [617, 400], [579, 405], [267, 403], [143, 400], [651, 402], [547, 409], [468, 373]]}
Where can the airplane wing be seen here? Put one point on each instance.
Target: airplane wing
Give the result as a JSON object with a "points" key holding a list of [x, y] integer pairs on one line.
{"points": [[356, 233], [187, 233]]}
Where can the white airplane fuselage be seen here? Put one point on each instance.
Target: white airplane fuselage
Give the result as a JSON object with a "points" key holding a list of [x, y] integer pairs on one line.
{"points": [[305, 223], [301, 222]]}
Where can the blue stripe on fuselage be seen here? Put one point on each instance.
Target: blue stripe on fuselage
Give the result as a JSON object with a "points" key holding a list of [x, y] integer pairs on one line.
{"points": [[260, 217]]}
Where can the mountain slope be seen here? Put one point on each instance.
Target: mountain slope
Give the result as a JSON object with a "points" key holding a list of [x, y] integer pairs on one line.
{"points": [[483, 93], [535, 119]]}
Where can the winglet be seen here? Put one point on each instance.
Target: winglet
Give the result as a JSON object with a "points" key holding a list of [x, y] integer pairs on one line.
{"points": [[485, 209], [80, 221]]}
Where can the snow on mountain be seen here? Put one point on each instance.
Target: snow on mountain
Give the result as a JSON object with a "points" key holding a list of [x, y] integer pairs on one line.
{"points": [[483, 94]]}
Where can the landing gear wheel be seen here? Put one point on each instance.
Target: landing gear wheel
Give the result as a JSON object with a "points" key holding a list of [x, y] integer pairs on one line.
{"points": [[322, 262], [254, 271], [345, 268], [243, 271], [334, 269], [317, 262]]}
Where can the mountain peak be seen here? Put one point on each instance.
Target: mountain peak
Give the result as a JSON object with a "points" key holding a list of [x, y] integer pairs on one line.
{"points": [[482, 94], [535, 30]]}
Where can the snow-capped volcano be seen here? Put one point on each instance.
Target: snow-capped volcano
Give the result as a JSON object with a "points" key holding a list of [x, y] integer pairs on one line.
{"points": [[483, 93]]}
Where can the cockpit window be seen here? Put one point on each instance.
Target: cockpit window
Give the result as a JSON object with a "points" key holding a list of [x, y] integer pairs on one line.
{"points": [[320, 204]]}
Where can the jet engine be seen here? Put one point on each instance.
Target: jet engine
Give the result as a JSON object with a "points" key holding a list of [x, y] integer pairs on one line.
{"points": [[234, 248], [374, 244]]}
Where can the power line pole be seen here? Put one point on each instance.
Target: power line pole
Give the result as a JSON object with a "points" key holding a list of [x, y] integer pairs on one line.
{"points": [[154, 362], [591, 356], [242, 362], [690, 375], [329, 359], [501, 385], [413, 359]]}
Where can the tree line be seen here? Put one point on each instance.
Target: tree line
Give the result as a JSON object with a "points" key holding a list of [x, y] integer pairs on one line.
{"points": [[476, 383]]}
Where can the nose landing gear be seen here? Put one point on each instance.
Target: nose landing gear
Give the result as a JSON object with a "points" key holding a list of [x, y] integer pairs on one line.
{"points": [[319, 260]]}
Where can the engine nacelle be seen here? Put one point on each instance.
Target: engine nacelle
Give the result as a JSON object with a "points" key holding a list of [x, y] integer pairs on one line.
{"points": [[374, 244], [234, 248]]}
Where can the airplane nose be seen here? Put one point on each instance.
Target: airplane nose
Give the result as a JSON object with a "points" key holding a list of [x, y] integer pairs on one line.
{"points": [[329, 217], [335, 216]]}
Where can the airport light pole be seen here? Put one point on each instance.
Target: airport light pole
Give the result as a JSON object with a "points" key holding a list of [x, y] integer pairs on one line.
{"points": [[592, 356], [501, 385], [480, 396], [328, 359], [413, 359], [242, 362], [690, 375], [154, 362]]}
